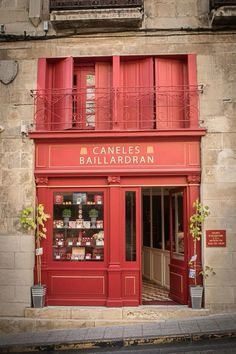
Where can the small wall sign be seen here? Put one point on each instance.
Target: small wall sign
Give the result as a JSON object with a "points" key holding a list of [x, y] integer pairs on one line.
{"points": [[215, 238]]}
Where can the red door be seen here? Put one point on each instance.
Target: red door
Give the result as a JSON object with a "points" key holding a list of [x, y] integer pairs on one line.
{"points": [[131, 265], [178, 242]]}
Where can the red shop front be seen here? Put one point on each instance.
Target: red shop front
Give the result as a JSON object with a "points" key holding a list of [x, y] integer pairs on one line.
{"points": [[119, 211]]}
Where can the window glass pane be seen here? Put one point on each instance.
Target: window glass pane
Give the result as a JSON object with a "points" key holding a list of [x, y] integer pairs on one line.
{"points": [[78, 226], [130, 226], [146, 221], [156, 221], [177, 223], [167, 222], [90, 80]]}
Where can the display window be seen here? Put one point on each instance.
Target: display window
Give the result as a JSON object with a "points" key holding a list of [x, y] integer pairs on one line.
{"points": [[78, 226]]}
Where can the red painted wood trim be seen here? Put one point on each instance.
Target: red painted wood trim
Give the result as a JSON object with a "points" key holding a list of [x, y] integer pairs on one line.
{"points": [[74, 134]]}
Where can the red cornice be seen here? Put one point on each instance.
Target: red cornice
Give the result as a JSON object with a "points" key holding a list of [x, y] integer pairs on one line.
{"points": [[122, 172], [75, 134]]}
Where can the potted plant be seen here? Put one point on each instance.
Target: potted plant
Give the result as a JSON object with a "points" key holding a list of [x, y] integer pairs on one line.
{"points": [[195, 229], [66, 214], [93, 214], [35, 221]]}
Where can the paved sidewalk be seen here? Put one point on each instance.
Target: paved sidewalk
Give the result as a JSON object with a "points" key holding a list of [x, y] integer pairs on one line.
{"points": [[163, 331]]}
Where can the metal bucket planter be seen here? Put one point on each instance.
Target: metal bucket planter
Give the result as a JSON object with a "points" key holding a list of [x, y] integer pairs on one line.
{"points": [[38, 295], [196, 292]]}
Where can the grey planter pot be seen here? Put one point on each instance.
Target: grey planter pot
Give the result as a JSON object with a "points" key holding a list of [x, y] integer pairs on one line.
{"points": [[38, 293], [196, 293]]}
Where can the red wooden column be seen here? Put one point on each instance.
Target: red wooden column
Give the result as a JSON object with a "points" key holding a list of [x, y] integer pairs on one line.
{"points": [[193, 194], [114, 249]]}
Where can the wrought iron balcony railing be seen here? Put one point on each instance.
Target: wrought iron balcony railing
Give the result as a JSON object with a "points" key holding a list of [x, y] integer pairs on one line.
{"points": [[57, 5], [128, 108]]}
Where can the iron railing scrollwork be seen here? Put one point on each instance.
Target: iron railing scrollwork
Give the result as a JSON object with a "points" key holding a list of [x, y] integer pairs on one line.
{"points": [[123, 108]]}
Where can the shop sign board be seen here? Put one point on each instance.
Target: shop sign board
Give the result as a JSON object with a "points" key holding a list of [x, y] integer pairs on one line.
{"points": [[215, 238], [128, 155]]}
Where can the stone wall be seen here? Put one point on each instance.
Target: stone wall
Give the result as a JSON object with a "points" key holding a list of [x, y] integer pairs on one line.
{"points": [[217, 70], [16, 190], [216, 63]]}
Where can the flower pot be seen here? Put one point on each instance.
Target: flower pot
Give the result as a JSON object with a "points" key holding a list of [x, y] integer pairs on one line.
{"points": [[66, 221], [196, 292], [93, 222], [38, 293]]}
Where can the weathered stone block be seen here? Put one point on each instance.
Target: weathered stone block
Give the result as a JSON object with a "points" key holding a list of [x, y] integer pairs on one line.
{"points": [[229, 141], [217, 124], [212, 141], [24, 260], [219, 295], [219, 258], [16, 277], [224, 277], [23, 294], [7, 293], [27, 243], [9, 243], [210, 157], [6, 259], [101, 313], [13, 309], [185, 8]]}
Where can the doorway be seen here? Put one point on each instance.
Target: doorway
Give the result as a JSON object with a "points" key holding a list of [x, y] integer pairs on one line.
{"points": [[163, 245]]}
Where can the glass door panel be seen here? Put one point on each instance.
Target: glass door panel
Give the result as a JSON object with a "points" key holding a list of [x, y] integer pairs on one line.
{"points": [[130, 225], [177, 242]]}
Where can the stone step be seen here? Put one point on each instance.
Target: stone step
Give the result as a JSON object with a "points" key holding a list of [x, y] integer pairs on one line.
{"points": [[64, 317]]}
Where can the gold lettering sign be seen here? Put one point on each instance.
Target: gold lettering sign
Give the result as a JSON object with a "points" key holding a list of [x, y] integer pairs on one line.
{"points": [[117, 155]]}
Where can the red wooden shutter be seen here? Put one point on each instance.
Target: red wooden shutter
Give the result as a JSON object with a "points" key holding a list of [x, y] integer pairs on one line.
{"points": [[42, 98], [137, 96], [62, 94], [193, 95], [170, 95], [103, 101]]}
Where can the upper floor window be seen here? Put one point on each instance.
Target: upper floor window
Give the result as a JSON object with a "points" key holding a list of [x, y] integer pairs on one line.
{"points": [[116, 93]]}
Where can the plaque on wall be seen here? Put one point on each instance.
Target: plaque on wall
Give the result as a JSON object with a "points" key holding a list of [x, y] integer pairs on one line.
{"points": [[215, 238]]}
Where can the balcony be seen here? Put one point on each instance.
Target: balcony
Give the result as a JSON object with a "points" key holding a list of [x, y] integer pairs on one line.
{"points": [[223, 13], [121, 109], [87, 14], [56, 5]]}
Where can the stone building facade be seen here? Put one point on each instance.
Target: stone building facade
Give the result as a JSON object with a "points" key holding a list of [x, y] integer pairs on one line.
{"points": [[29, 31]]}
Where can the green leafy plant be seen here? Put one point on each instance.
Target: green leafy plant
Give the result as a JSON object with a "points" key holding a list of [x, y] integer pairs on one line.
{"points": [[207, 271], [93, 213], [66, 213], [34, 220], [196, 220], [195, 229]]}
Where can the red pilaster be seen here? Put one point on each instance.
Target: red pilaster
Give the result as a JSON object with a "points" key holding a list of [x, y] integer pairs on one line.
{"points": [[114, 267]]}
